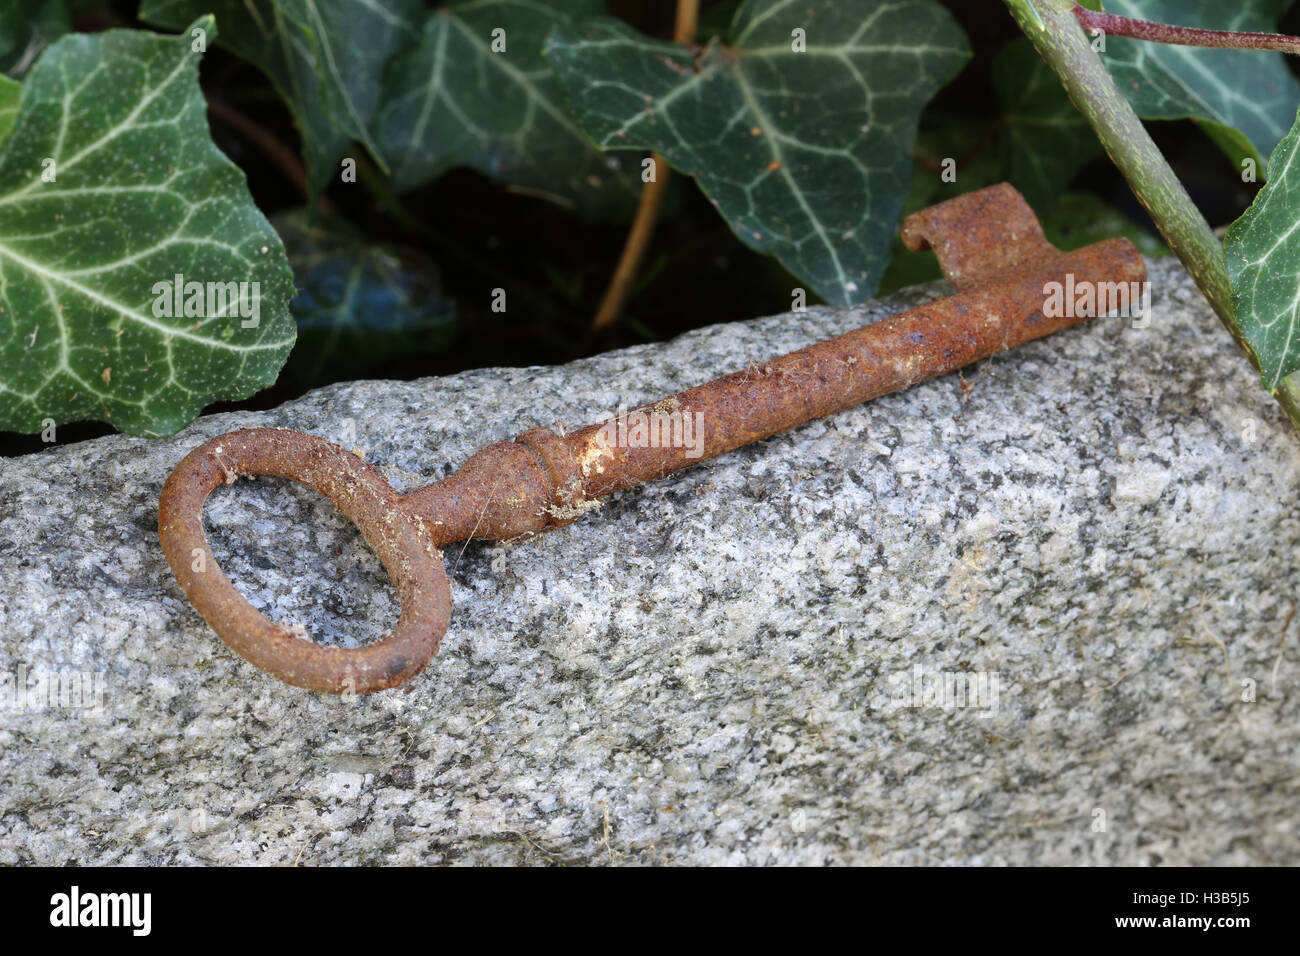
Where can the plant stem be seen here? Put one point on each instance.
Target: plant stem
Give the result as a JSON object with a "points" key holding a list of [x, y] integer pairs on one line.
{"points": [[647, 212], [634, 248], [1119, 26], [1065, 47], [280, 156]]}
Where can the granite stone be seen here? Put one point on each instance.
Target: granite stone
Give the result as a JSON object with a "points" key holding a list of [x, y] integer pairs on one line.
{"points": [[1032, 614]]}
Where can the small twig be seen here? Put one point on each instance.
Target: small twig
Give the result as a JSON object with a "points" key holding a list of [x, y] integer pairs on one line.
{"points": [[1115, 25], [281, 156], [608, 832], [1286, 626], [1215, 639], [492, 495], [533, 846], [647, 212], [1097, 692], [564, 202], [315, 835]]}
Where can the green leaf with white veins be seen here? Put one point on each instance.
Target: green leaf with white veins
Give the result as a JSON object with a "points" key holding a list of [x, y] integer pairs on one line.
{"points": [[806, 154], [1245, 99], [27, 27], [260, 32], [1044, 141], [13, 23], [1262, 249], [10, 92], [110, 189], [453, 101], [353, 40]]}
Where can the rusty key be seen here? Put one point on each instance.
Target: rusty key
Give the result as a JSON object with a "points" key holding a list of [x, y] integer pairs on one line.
{"points": [[990, 247]]}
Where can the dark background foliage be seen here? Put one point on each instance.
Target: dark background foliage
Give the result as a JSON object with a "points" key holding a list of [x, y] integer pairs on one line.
{"points": [[453, 241]]}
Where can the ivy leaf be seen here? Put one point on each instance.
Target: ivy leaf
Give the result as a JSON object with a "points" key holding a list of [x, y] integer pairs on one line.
{"points": [[1263, 254], [10, 92], [1245, 100], [260, 32], [1044, 140], [359, 305], [453, 101], [27, 27], [353, 40], [806, 154], [715, 19], [14, 20], [325, 58], [110, 188]]}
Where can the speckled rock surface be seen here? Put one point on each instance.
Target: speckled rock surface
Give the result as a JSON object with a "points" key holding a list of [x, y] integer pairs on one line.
{"points": [[735, 665]]}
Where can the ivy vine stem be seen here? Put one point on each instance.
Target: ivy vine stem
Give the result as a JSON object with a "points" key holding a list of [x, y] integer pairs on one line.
{"points": [[1120, 26], [1060, 40]]}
